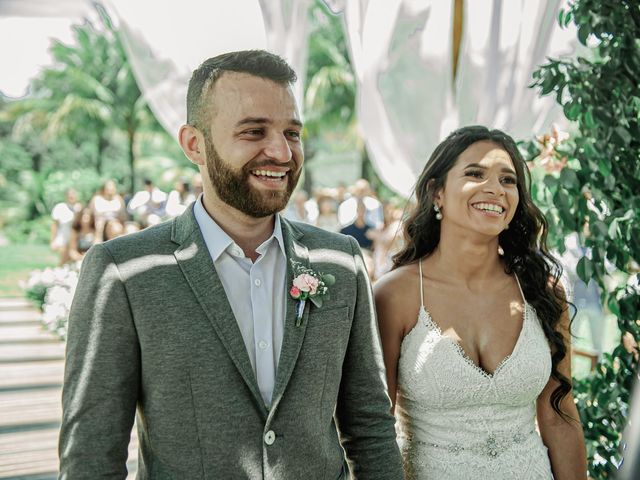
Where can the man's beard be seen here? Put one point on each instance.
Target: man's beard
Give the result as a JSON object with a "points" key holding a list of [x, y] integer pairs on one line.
{"points": [[233, 186]]}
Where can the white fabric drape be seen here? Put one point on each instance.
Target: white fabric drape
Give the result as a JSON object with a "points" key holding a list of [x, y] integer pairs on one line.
{"points": [[407, 98], [165, 41]]}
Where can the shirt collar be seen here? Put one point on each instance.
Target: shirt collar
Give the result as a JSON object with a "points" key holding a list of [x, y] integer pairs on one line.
{"points": [[218, 241]]}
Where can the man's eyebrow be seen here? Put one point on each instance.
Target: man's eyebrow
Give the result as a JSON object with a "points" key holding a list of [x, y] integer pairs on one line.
{"points": [[264, 121], [482, 167]]}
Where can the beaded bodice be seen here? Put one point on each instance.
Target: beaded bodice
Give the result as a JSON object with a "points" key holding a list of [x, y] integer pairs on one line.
{"points": [[458, 421]]}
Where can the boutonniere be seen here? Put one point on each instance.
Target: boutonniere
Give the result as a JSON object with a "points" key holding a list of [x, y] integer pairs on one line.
{"points": [[308, 285]]}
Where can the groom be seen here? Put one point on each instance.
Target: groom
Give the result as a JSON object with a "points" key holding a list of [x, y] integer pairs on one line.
{"points": [[193, 322]]}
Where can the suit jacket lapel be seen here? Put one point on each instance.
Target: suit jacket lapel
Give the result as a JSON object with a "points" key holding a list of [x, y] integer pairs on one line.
{"points": [[293, 335], [195, 262]]}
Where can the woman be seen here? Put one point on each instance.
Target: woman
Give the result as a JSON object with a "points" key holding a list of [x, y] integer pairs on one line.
{"points": [[83, 234], [328, 214], [62, 215], [475, 326], [107, 205]]}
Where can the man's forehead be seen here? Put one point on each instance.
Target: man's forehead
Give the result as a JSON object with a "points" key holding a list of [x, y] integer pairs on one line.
{"points": [[240, 84]]}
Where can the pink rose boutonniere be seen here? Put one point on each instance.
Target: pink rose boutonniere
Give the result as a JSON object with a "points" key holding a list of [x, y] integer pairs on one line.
{"points": [[308, 285]]}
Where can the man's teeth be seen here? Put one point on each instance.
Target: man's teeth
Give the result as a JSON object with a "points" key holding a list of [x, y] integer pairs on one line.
{"points": [[269, 173], [489, 207]]}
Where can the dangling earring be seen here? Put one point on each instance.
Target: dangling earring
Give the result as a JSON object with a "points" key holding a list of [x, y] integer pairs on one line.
{"points": [[500, 251], [506, 227], [436, 209]]}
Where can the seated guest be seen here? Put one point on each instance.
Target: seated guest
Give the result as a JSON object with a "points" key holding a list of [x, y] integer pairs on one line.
{"points": [[359, 228], [83, 234]]}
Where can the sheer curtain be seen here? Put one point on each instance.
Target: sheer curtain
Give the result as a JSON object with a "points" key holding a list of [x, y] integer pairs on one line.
{"points": [[408, 98], [165, 41]]}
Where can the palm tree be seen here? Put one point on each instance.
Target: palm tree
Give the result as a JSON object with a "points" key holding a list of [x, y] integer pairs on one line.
{"points": [[330, 90], [90, 91]]}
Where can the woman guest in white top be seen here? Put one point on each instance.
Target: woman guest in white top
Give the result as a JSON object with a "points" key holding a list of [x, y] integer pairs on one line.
{"points": [[475, 325], [63, 215], [106, 205]]}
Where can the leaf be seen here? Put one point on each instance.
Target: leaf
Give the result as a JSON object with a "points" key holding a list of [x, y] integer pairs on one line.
{"points": [[584, 269], [316, 300], [583, 34], [623, 135], [328, 279], [603, 167], [572, 110], [613, 229], [569, 178]]}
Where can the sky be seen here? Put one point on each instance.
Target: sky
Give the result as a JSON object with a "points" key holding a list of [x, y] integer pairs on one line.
{"points": [[24, 43]]}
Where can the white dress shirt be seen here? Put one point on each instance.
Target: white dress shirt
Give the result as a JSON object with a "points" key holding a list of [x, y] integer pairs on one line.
{"points": [[256, 293]]}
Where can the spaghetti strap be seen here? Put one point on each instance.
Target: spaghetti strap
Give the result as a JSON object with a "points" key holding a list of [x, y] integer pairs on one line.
{"points": [[421, 288], [520, 288]]}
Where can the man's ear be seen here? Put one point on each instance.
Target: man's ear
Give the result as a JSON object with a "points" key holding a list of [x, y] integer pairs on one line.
{"points": [[192, 143]]}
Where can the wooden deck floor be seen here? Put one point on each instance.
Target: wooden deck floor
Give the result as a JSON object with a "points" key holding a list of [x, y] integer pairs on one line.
{"points": [[31, 371]]}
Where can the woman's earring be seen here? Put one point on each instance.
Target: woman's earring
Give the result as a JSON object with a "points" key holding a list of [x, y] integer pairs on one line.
{"points": [[506, 227], [436, 208]]}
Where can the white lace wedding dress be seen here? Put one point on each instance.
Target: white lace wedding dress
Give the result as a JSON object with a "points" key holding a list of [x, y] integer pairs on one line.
{"points": [[457, 421]]}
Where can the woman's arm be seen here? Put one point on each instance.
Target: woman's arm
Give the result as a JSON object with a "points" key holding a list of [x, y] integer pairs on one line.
{"points": [[74, 254], [563, 438], [390, 310]]}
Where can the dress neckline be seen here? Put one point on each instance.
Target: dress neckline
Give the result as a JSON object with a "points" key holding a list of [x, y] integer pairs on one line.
{"points": [[426, 317]]}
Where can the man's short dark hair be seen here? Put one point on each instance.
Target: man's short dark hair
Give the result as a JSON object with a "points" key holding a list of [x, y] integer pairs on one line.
{"points": [[259, 63]]}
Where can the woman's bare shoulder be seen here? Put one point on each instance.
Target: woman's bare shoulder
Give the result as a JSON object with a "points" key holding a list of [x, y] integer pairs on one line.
{"points": [[398, 288]]}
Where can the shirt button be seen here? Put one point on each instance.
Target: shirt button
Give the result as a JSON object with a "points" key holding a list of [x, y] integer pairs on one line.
{"points": [[262, 344], [269, 437], [257, 282]]}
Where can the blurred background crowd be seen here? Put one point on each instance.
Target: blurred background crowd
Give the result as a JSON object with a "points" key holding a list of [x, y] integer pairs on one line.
{"points": [[353, 210]]}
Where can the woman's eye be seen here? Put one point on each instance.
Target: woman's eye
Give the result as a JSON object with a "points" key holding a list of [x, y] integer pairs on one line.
{"points": [[509, 180], [474, 173]]}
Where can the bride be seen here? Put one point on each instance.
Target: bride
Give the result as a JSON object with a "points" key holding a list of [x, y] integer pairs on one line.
{"points": [[475, 326]]}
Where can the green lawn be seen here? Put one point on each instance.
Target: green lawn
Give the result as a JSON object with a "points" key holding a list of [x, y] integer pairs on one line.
{"points": [[17, 261]]}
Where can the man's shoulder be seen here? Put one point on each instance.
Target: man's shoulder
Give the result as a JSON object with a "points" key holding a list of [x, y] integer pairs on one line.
{"points": [[319, 236], [155, 239]]}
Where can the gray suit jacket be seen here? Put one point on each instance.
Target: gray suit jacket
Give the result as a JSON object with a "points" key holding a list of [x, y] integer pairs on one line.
{"points": [[151, 328]]}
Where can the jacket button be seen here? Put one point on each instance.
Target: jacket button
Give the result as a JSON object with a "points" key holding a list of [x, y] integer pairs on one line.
{"points": [[269, 437]]}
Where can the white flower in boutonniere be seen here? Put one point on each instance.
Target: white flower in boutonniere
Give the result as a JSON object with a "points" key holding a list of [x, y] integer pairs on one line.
{"points": [[308, 285]]}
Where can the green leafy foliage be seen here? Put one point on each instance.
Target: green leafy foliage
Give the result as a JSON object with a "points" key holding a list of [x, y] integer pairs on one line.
{"points": [[84, 121], [597, 194]]}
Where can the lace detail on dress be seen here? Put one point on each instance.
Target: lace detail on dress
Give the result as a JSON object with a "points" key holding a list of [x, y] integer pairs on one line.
{"points": [[457, 421]]}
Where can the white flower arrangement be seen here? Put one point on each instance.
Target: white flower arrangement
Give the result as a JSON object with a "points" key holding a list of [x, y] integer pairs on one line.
{"points": [[52, 290]]}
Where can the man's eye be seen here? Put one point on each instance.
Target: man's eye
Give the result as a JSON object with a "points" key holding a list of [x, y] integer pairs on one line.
{"points": [[254, 131], [293, 134]]}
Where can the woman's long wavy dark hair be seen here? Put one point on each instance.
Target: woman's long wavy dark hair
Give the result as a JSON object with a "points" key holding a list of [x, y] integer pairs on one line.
{"points": [[524, 243]]}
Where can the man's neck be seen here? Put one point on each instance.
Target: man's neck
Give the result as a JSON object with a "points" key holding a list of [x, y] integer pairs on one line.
{"points": [[246, 231]]}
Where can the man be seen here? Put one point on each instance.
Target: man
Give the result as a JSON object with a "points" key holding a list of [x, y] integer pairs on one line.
{"points": [[347, 211], [148, 205], [192, 322]]}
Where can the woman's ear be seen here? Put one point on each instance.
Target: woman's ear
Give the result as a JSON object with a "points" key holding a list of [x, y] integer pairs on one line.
{"points": [[435, 192]]}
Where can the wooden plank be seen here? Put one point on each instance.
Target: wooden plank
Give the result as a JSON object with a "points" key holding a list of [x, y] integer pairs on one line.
{"points": [[31, 352], [15, 303], [31, 375], [25, 333], [17, 316]]}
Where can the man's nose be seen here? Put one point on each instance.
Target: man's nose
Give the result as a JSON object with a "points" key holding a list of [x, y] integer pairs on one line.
{"points": [[278, 148]]}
